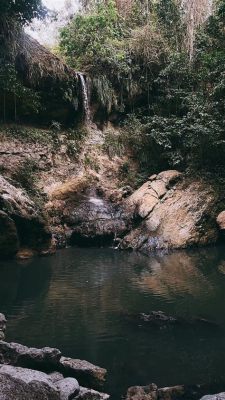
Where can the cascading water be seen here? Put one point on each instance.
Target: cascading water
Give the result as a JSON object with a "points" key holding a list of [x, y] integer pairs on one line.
{"points": [[85, 98]]}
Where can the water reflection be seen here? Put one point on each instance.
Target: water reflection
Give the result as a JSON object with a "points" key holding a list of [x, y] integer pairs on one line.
{"points": [[78, 300], [175, 274]]}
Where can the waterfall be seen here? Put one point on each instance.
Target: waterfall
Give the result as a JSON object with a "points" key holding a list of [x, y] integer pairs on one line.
{"points": [[85, 98]]}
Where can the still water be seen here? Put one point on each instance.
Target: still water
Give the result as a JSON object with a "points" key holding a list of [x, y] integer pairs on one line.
{"points": [[86, 302]]}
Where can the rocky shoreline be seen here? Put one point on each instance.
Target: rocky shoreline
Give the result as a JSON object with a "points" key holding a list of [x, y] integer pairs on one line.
{"points": [[44, 374]]}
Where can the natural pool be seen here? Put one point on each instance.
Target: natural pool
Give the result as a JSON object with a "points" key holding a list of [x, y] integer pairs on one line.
{"points": [[85, 302]]}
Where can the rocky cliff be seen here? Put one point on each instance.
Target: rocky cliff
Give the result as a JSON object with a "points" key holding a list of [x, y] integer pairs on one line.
{"points": [[172, 212], [79, 198]]}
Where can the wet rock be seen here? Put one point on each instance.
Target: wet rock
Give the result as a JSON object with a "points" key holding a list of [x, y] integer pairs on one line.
{"points": [[2, 326], [157, 317], [68, 388], [179, 392], [142, 392], [25, 384], [22, 224], [90, 394], [18, 355], [172, 212], [94, 221], [86, 373]]}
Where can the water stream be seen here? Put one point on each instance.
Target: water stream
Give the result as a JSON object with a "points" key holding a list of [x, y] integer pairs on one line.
{"points": [[85, 98], [87, 301]]}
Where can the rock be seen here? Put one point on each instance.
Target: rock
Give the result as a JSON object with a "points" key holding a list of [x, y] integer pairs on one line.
{"points": [[90, 394], [25, 254], [169, 177], [179, 392], [93, 221], [50, 360], [157, 317], [55, 376], [68, 388], [173, 213], [86, 373], [142, 392], [2, 326], [219, 396], [25, 384], [18, 355], [221, 221], [9, 241], [22, 224], [175, 392]]}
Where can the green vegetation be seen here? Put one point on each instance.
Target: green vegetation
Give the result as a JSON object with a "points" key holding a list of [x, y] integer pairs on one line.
{"points": [[20, 10], [140, 67]]}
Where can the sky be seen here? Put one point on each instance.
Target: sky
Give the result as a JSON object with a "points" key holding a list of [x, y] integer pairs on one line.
{"points": [[47, 31], [54, 4]]}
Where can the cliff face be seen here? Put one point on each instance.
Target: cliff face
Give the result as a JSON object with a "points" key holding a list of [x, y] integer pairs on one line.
{"points": [[22, 223], [174, 212], [79, 198]]}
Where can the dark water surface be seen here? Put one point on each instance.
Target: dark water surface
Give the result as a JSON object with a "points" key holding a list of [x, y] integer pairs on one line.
{"points": [[79, 300]]}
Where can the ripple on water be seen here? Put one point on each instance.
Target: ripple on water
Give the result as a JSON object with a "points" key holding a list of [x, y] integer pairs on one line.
{"points": [[79, 300]]}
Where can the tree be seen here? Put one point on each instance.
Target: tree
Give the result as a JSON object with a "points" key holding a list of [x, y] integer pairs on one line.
{"points": [[196, 13], [20, 10]]}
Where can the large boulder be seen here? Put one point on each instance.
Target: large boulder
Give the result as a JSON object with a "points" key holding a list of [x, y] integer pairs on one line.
{"points": [[68, 388], [86, 373], [18, 355], [50, 360], [171, 212], [24, 384], [22, 224]]}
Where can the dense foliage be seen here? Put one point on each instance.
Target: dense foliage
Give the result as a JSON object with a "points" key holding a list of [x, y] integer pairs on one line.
{"points": [[22, 11], [139, 66]]}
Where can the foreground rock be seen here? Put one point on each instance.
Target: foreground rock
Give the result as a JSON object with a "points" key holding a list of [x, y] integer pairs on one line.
{"points": [[50, 360], [85, 372], [46, 359], [68, 388], [2, 326], [172, 212], [89, 394], [22, 224], [23, 384], [27, 384]]}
